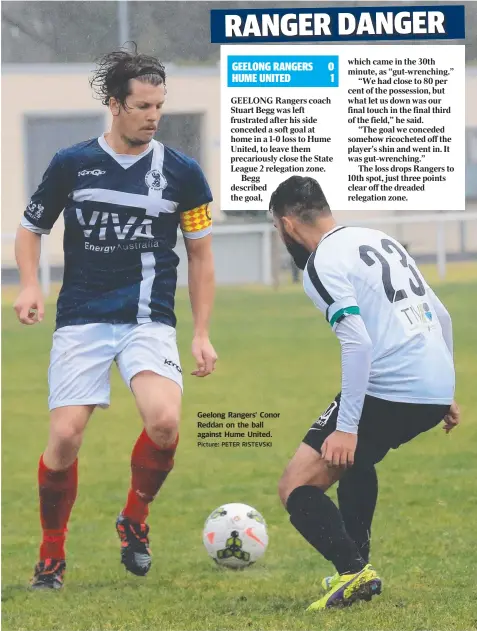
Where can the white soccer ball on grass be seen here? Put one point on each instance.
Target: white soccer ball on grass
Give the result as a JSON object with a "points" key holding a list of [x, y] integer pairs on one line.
{"points": [[235, 535]]}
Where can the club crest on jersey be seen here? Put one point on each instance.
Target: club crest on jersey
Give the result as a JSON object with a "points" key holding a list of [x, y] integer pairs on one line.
{"points": [[155, 180]]}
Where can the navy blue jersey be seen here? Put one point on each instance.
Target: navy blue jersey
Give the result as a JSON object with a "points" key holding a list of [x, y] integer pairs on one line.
{"points": [[121, 220]]}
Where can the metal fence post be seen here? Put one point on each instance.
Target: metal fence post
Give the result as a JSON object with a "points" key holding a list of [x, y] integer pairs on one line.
{"points": [[123, 21], [275, 259], [267, 275]]}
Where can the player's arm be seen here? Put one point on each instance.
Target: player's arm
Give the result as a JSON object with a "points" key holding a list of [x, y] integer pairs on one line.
{"points": [[196, 226], [40, 215], [201, 292], [356, 351], [328, 285], [29, 305]]}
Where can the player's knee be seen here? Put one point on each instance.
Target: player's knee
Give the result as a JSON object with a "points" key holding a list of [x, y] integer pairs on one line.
{"points": [[67, 435], [163, 425], [67, 424]]}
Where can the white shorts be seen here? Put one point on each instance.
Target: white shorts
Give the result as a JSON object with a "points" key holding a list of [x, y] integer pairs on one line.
{"points": [[82, 356]]}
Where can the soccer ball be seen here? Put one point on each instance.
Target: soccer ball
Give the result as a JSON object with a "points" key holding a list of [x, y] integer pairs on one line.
{"points": [[235, 535]]}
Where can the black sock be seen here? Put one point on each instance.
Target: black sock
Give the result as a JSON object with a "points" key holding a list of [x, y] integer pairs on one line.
{"points": [[316, 518], [357, 495]]}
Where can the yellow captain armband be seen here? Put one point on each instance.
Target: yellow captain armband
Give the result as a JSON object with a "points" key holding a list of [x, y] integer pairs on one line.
{"points": [[197, 222]]}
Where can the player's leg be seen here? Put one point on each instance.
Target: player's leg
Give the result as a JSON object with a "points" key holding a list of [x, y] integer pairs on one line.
{"points": [[149, 363], [358, 488], [302, 490], [79, 381], [58, 484], [383, 425], [357, 495], [159, 402], [316, 517]]}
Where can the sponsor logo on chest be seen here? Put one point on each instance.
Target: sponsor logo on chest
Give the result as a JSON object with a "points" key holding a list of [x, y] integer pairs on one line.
{"points": [[108, 224]]}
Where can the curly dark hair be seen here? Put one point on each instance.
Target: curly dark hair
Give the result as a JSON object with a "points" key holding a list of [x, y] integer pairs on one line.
{"points": [[300, 196], [114, 70]]}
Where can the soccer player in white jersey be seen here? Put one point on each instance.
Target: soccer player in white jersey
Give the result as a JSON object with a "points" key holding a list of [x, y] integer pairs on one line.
{"points": [[123, 197], [397, 379]]}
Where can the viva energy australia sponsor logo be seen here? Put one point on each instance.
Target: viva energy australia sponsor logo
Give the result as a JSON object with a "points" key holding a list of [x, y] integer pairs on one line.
{"points": [[124, 247], [104, 225]]}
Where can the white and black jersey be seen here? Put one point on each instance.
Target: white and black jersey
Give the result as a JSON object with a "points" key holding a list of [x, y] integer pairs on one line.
{"points": [[367, 274]]}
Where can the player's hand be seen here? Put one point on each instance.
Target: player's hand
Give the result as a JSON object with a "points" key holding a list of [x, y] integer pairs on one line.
{"points": [[204, 355], [338, 449], [452, 418], [29, 305]]}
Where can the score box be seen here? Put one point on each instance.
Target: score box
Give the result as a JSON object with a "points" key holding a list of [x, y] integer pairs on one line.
{"points": [[291, 71]]}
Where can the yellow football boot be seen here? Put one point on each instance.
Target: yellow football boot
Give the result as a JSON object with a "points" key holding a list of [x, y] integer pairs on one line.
{"points": [[345, 589]]}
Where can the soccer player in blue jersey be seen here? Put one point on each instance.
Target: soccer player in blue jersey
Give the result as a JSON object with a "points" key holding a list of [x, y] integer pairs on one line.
{"points": [[123, 197]]}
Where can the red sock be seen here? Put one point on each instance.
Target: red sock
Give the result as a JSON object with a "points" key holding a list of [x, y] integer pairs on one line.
{"points": [[150, 465], [57, 496]]}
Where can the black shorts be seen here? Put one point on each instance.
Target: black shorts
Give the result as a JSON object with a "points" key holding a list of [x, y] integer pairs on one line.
{"points": [[384, 425]]}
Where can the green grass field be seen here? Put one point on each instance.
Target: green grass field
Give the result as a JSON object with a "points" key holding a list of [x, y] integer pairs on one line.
{"points": [[276, 355]]}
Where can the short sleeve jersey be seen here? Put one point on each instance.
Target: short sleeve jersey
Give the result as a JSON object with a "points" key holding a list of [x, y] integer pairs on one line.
{"points": [[121, 216]]}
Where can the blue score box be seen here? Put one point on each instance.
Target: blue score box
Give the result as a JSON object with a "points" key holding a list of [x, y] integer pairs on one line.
{"points": [[289, 71]]}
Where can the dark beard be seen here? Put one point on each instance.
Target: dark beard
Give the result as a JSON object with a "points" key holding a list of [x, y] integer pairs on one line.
{"points": [[298, 252], [134, 142]]}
